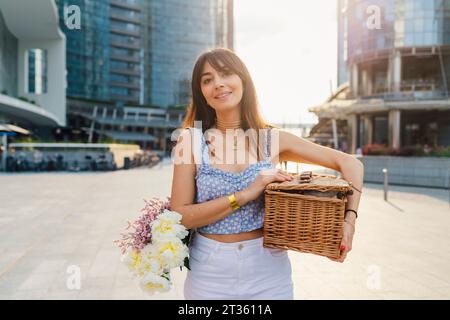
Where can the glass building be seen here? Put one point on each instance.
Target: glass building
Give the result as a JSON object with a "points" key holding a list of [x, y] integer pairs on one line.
{"points": [[180, 30], [141, 52], [103, 55], [395, 55], [8, 60]]}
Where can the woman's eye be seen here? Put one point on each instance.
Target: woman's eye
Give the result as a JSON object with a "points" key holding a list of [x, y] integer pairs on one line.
{"points": [[206, 81]]}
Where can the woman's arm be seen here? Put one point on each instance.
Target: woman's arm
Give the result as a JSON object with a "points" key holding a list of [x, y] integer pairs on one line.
{"points": [[294, 148], [183, 191]]}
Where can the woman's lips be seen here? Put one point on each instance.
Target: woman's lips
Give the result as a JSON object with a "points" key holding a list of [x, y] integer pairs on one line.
{"points": [[222, 96]]}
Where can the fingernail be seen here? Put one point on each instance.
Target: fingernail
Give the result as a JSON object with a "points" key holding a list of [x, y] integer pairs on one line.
{"points": [[343, 248]]}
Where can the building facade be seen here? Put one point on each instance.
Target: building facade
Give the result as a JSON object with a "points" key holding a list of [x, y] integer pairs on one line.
{"points": [[395, 55], [32, 90]]}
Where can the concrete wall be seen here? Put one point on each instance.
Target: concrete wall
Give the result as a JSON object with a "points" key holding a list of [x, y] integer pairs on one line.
{"points": [[412, 171], [54, 100]]}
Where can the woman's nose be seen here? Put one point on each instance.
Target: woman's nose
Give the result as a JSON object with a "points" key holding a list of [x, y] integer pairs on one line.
{"points": [[219, 85], [219, 82]]}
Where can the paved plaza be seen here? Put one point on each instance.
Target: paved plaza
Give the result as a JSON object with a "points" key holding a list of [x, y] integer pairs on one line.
{"points": [[54, 225]]}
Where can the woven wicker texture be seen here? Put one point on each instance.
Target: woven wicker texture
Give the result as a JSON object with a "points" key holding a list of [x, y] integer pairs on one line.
{"points": [[306, 217]]}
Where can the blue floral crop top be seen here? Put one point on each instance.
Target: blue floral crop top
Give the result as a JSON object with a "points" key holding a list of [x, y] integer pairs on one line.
{"points": [[212, 183]]}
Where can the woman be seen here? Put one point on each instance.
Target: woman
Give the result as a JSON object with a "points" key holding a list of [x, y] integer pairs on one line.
{"points": [[223, 199]]}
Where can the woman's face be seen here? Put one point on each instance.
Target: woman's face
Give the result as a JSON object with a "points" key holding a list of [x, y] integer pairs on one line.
{"points": [[221, 89]]}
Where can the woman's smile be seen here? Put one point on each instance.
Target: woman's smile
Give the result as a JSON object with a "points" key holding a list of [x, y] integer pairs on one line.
{"points": [[223, 96]]}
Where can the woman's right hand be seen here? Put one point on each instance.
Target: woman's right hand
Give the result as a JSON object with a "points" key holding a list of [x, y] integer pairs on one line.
{"points": [[264, 178]]}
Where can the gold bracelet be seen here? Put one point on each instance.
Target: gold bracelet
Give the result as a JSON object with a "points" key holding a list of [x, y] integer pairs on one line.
{"points": [[233, 202]]}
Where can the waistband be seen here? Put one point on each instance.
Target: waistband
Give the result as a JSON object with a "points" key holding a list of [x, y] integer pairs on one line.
{"points": [[199, 239]]}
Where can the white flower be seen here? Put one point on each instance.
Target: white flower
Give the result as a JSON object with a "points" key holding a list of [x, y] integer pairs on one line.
{"points": [[168, 225], [152, 283], [151, 260], [132, 259], [172, 251]]}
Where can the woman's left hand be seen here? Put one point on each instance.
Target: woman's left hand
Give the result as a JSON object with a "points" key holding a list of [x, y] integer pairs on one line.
{"points": [[347, 239]]}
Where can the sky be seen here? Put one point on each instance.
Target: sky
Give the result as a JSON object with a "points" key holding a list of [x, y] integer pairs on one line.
{"points": [[289, 47]]}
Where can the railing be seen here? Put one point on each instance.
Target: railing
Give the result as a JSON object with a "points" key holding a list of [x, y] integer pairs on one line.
{"points": [[408, 89], [129, 4], [129, 71], [125, 17], [126, 44], [135, 33]]}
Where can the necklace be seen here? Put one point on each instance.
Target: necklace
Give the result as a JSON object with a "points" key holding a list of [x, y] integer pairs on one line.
{"points": [[224, 125]]}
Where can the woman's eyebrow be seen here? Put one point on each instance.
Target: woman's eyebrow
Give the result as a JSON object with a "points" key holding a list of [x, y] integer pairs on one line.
{"points": [[223, 68], [205, 74]]}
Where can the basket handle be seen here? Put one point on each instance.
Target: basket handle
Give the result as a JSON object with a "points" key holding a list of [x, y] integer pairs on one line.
{"points": [[305, 177]]}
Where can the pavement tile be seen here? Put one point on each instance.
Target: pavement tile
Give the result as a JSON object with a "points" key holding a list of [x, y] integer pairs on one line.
{"points": [[400, 249]]}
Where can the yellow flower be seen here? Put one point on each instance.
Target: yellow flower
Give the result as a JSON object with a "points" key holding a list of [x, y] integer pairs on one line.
{"points": [[152, 283], [151, 260], [132, 259], [172, 251]]}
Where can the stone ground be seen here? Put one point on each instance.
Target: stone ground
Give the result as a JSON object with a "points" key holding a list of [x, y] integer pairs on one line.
{"points": [[53, 225]]}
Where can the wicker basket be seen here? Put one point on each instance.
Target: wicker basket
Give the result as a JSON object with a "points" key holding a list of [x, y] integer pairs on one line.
{"points": [[306, 216]]}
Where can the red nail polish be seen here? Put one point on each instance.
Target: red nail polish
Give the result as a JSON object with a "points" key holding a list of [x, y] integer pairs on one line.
{"points": [[343, 248]]}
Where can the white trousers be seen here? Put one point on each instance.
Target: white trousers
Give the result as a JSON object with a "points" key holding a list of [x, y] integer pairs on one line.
{"points": [[242, 270]]}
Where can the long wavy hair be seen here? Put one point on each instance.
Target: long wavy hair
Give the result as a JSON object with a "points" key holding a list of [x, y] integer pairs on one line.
{"points": [[199, 110]]}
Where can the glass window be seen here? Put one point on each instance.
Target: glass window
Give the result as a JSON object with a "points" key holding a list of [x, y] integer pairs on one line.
{"points": [[408, 39], [447, 4], [428, 25], [409, 6], [429, 38], [419, 25], [37, 71], [419, 39], [409, 25]]}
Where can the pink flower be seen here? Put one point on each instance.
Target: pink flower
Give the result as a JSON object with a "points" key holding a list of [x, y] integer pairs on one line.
{"points": [[138, 233]]}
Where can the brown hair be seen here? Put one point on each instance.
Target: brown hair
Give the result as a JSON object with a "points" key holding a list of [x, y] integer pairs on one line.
{"points": [[199, 110]]}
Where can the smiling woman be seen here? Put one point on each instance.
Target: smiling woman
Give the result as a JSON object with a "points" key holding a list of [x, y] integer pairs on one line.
{"points": [[225, 203]]}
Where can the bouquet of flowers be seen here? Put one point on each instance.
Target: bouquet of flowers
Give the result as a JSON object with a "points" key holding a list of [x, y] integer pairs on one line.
{"points": [[154, 244]]}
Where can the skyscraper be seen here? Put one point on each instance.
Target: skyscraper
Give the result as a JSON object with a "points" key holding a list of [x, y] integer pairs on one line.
{"points": [[103, 56], [180, 30], [141, 52]]}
